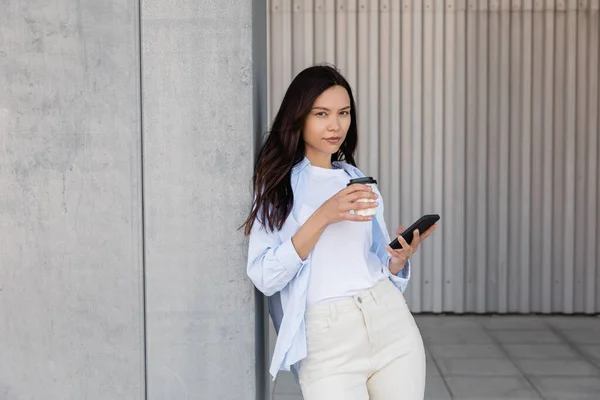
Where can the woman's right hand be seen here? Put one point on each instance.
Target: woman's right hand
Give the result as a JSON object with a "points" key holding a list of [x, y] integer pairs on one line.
{"points": [[338, 207]]}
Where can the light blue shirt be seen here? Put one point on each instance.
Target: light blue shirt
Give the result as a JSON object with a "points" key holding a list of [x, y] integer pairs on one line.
{"points": [[277, 270]]}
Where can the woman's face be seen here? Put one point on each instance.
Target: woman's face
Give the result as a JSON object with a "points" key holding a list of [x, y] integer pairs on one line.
{"points": [[326, 126]]}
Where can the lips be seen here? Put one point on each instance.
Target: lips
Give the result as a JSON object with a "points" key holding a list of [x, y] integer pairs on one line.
{"points": [[333, 140]]}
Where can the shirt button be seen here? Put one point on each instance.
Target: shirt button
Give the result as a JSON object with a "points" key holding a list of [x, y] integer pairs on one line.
{"points": [[359, 300]]}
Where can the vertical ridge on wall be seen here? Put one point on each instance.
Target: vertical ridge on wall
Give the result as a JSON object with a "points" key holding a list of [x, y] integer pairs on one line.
{"points": [[470, 165], [384, 156], [286, 20], [522, 139], [568, 193], [493, 178], [427, 143], [352, 71], [481, 134], [547, 146], [455, 147], [592, 195], [515, 38], [485, 111], [557, 160], [437, 158], [395, 150], [341, 35], [276, 79], [504, 156], [362, 84], [321, 34], [407, 101], [580, 150], [456, 215], [537, 128], [414, 188], [370, 162]]}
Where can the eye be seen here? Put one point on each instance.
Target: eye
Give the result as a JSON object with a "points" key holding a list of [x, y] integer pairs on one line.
{"points": [[321, 114], [345, 113]]}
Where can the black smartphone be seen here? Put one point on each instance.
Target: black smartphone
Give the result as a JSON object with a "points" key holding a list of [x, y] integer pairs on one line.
{"points": [[422, 224]]}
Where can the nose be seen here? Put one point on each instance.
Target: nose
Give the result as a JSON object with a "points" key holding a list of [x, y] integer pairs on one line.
{"points": [[334, 125]]}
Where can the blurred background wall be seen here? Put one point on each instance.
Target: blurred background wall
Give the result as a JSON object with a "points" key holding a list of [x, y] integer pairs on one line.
{"points": [[484, 111]]}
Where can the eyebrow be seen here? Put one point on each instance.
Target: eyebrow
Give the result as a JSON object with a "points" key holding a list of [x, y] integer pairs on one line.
{"points": [[327, 109]]}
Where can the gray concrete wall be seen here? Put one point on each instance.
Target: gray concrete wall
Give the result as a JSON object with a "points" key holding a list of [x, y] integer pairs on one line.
{"points": [[71, 305], [198, 157], [85, 240]]}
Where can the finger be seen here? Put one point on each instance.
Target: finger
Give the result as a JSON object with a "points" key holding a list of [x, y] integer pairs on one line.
{"points": [[400, 230], [359, 206], [405, 246], [396, 253], [357, 218], [356, 188], [360, 195], [416, 239], [428, 232]]}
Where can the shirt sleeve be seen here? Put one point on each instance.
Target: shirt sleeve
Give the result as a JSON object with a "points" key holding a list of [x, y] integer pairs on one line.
{"points": [[401, 279], [271, 263]]}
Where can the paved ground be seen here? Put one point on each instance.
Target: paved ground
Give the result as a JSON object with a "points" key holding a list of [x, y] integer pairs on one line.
{"points": [[503, 357]]}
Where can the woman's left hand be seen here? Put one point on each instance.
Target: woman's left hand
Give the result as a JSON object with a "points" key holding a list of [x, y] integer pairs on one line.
{"points": [[401, 256]]}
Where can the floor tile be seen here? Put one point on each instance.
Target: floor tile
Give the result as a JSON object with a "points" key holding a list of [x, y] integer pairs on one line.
{"points": [[477, 367], [447, 321], [524, 322], [456, 336], [557, 368], [286, 383], [524, 337], [488, 388], [540, 351], [466, 351], [567, 388], [435, 389], [590, 350], [582, 336], [431, 368], [573, 322]]}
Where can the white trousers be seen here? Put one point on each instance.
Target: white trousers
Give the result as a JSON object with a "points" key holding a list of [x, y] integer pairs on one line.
{"points": [[363, 347]]}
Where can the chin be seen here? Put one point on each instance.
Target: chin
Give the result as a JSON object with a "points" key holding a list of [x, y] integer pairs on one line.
{"points": [[330, 151], [326, 149]]}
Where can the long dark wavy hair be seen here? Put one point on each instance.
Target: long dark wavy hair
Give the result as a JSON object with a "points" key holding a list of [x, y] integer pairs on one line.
{"points": [[284, 147]]}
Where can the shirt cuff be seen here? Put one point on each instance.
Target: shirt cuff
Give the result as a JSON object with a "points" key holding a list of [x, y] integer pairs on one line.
{"points": [[288, 256], [404, 272]]}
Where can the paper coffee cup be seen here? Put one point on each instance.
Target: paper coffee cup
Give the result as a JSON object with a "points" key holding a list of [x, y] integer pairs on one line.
{"points": [[369, 181]]}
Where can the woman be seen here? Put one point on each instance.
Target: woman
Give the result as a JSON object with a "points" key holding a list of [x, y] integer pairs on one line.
{"points": [[334, 285]]}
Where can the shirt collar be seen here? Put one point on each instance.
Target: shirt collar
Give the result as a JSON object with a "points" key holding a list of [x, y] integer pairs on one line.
{"points": [[301, 165], [350, 169]]}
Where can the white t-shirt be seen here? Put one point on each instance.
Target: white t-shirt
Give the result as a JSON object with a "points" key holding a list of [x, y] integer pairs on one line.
{"points": [[341, 258]]}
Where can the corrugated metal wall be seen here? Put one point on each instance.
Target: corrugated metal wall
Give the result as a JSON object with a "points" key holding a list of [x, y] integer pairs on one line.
{"points": [[483, 111]]}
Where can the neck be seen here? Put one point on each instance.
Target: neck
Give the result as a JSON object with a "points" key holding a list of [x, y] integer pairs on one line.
{"points": [[320, 160]]}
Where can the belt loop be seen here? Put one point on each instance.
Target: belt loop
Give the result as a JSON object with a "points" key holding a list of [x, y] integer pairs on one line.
{"points": [[375, 295], [378, 291], [332, 311]]}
